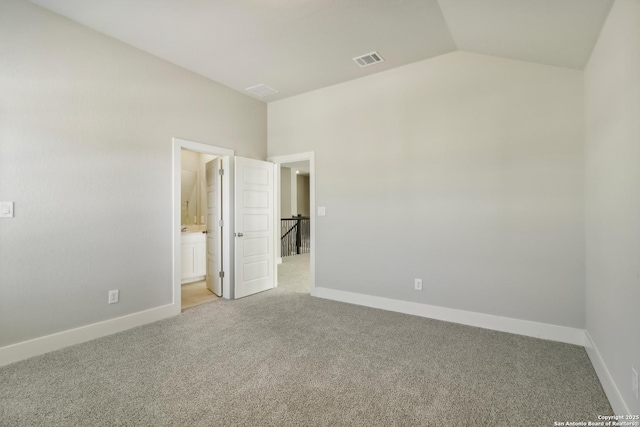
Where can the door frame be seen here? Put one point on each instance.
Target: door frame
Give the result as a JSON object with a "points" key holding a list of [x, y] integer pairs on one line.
{"points": [[300, 157], [226, 155]]}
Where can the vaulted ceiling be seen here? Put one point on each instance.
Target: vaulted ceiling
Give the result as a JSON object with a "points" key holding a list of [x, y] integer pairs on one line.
{"points": [[296, 46]]}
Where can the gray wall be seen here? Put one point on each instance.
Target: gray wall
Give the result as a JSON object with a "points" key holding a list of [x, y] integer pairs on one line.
{"points": [[303, 194], [463, 170], [285, 192], [613, 195], [85, 152]]}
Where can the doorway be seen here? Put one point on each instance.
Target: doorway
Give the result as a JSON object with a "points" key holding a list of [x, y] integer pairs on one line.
{"points": [[296, 216], [201, 222], [200, 214]]}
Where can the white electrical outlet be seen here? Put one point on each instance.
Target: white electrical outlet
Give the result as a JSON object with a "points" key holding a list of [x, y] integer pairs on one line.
{"points": [[418, 284], [6, 209], [113, 296], [634, 382]]}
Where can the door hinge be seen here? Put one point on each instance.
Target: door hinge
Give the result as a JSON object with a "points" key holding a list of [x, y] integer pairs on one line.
{"points": [[221, 274], [220, 172], [221, 223]]}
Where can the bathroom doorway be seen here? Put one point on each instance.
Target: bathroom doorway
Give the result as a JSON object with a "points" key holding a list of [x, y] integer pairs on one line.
{"points": [[200, 214], [201, 223]]}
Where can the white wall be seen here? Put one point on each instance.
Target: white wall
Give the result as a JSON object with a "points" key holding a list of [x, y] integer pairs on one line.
{"points": [[463, 170], [612, 81], [85, 152]]}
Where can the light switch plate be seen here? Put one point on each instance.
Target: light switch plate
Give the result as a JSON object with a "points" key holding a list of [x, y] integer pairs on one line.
{"points": [[322, 211], [6, 209]]}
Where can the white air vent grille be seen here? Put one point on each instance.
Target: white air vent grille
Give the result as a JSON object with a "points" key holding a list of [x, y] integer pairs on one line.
{"points": [[368, 59], [262, 90]]}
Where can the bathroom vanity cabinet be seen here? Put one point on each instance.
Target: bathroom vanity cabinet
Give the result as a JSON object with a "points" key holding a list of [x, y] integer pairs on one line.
{"points": [[194, 256]]}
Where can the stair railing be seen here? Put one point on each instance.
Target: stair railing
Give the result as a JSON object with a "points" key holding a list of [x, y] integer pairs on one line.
{"points": [[296, 236]]}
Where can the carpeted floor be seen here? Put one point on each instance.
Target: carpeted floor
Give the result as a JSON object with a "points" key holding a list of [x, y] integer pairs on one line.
{"points": [[283, 358]]}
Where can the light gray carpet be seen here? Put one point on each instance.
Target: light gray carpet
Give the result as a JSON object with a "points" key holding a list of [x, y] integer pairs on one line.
{"points": [[283, 358]]}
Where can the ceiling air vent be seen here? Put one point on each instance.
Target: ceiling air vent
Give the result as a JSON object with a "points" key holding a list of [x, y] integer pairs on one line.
{"points": [[368, 59], [262, 90]]}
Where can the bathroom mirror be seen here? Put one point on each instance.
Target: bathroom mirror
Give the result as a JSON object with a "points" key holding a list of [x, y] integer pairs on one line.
{"points": [[193, 208], [189, 202]]}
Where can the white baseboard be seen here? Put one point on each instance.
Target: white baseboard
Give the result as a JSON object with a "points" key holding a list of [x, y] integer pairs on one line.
{"points": [[24, 350], [610, 389], [504, 324]]}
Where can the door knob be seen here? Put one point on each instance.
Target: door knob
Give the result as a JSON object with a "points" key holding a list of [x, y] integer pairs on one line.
{"points": [[239, 234]]}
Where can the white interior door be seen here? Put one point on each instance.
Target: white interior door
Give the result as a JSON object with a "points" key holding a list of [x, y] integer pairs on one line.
{"points": [[254, 213], [214, 231]]}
